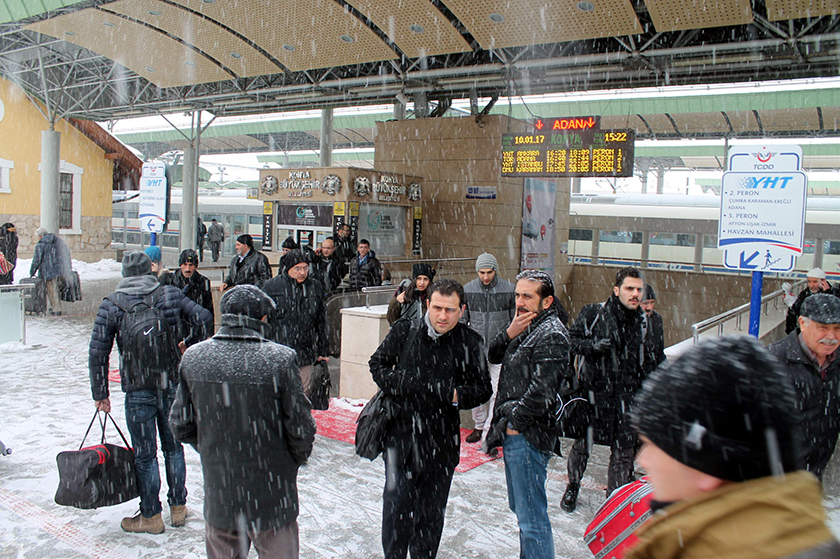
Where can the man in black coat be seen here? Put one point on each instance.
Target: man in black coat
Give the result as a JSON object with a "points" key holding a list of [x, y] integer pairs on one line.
{"points": [[816, 284], [299, 320], [654, 332], [251, 448], [8, 246], [327, 267], [248, 266], [147, 407], [192, 284], [429, 373], [344, 250], [809, 356], [365, 269], [534, 354], [608, 337]]}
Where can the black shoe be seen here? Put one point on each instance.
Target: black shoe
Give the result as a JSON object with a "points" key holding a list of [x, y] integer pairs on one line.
{"points": [[569, 502], [474, 437]]}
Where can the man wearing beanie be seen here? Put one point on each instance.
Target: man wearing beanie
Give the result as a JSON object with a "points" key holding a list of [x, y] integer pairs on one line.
{"points": [[248, 266], [607, 337], [251, 449], [491, 306], [192, 284], [720, 431], [809, 356], [299, 320], [149, 377], [653, 330], [816, 284]]}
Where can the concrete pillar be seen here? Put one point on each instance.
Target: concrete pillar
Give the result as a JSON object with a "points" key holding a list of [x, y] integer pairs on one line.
{"points": [[660, 181], [596, 245], [50, 174], [645, 248], [421, 105], [399, 110], [576, 185], [818, 253], [326, 137], [698, 252], [188, 200]]}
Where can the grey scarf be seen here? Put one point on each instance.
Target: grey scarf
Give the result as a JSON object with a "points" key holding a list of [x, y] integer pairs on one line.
{"points": [[433, 334]]}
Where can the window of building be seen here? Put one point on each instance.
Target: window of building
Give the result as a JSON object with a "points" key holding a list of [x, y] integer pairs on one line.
{"points": [[5, 166], [65, 194], [70, 197]]}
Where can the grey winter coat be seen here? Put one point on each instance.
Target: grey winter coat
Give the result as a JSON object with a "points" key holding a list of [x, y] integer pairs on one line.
{"points": [[490, 308], [51, 258], [253, 269], [215, 233], [535, 367], [175, 307], [818, 400], [252, 445]]}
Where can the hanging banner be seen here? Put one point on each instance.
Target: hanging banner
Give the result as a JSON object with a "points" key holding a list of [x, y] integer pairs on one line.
{"points": [[354, 222], [268, 225], [339, 217], [538, 227], [417, 232]]}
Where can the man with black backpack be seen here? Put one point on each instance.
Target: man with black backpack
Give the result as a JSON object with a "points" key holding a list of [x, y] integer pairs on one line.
{"points": [[145, 318]]}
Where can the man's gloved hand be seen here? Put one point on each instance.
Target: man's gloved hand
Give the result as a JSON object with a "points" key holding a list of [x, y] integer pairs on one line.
{"points": [[601, 346]]}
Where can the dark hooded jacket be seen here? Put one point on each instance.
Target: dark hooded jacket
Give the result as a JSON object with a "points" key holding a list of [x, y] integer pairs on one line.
{"points": [[175, 307], [426, 429], [535, 367], [51, 258], [250, 447], [8, 246], [300, 320], [329, 271], [614, 375], [253, 269], [818, 400]]}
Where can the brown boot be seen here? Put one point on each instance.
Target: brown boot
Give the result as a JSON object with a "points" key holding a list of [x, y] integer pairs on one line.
{"points": [[142, 525], [178, 515], [474, 437]]}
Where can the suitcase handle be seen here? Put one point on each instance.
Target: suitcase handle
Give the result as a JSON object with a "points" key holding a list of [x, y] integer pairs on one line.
{"points": [[103, 424]]}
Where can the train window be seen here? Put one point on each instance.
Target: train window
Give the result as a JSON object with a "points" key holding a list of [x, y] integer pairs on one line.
{"points": [[174, 216], [255, 219], [132, 214], [808, 247], [580, 234], [709, 241], [629, 237], [831, 247], [669, 239]]}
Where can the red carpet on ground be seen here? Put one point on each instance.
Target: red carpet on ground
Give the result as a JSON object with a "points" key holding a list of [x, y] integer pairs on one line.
{"points": [[339, 423]]}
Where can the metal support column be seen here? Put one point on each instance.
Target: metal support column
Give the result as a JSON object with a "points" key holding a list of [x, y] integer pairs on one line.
{"points": [[326, 137], [660, 181], [399, 110], [50, 177], [187, 221], [421, 105], [698, 252], [645, 248], [818, 253], [576, 185], [596, 245]]}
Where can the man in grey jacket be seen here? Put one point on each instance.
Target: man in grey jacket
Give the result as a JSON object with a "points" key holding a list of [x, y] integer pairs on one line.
{"points": [[491, 307]]}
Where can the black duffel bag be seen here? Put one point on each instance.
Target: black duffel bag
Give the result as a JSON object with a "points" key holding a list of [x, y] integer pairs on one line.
{"points": [[96, 476], [320, 385]]}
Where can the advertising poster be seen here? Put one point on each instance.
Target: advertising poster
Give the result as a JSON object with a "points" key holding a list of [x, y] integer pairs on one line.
{"points": [[538, 227], [385, 227]]}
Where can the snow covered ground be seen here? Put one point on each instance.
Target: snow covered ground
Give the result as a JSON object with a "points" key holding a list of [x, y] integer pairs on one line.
{"points": [[104, 269], [46, 406]]}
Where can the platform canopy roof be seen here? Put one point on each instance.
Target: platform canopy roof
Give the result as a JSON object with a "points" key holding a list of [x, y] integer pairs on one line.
{"points": [[103, 60]]}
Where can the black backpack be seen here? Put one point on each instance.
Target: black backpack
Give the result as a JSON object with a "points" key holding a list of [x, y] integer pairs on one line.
{"points": [[148, 349]]}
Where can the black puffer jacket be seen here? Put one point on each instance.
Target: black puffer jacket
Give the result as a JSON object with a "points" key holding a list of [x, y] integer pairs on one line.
{"points": [[367, 274], [252, 445], [175, 307], [818, 400], [534, 366], [427, 427], [654, 343], [299, 321], [328, 271], [8, 246], [195, 288], [614, 375], [253, 270]]}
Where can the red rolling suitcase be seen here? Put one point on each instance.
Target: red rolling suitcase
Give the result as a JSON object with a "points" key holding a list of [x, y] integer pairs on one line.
{"points": [[610, 534]]}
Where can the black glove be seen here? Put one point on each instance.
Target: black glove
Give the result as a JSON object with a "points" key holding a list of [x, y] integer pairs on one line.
{"points": [[602, 346]]}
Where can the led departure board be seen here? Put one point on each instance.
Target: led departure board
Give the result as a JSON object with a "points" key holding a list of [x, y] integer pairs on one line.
{"points": [[569, 153]]}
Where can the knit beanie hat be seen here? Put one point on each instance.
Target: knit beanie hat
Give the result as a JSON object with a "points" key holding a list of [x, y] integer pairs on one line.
{"points": [[423, 269], [246, 240], [289, 243], [649, 293], [188, 256], [293, 258], [154, 253], [486, 260], [822, 307], [136, 263], [726, 408], [246, 300], [815, 273]]}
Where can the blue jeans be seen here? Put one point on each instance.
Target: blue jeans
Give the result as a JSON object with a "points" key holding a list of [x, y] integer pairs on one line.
{"points": [[147, 415], [525, 471]]}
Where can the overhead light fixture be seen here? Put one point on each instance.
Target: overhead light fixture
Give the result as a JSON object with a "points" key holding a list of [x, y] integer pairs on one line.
{"points": [[236, 55], [497, 18], [154, 13], [347, 39], [150, 69], [109, 24], [586, 6], [70, 33], [189, 63], [417, 28], [209, 1], [289, 48]]}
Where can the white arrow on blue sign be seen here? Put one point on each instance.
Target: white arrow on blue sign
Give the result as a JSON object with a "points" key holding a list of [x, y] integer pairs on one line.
{"points": [[152, 206]]}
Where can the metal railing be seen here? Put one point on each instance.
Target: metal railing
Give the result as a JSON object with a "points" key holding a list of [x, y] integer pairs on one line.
{"points": [[376, 289], [738, 312]]}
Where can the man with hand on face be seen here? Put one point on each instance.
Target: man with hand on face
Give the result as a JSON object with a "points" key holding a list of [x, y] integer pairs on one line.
{"points": [[428, 371], [534, 354], [299, 320], [192, 284], [809, 356], [816, 284], [608, 336]]}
